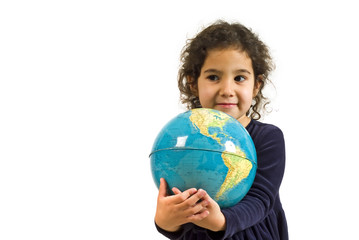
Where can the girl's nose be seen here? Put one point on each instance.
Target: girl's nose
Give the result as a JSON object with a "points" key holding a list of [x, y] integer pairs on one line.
{"points": [[227, 88]]}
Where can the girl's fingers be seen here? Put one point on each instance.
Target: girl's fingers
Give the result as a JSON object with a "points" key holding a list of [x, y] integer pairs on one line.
{"points": [[180, 197], [192, 199], [196, 209], [176, 191], [199, 216]]}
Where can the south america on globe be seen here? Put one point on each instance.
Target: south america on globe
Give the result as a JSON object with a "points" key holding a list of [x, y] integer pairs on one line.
{"points": [[207, 149]]}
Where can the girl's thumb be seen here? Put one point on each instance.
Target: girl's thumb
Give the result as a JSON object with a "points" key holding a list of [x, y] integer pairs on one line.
{"points": [[162, 192]]}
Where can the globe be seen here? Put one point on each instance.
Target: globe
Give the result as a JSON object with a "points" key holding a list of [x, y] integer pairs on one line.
{"points": [[207, 149]]}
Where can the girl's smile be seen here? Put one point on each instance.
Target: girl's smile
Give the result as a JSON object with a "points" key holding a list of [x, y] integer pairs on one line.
{"points": [[226, 83], [226, 105]]}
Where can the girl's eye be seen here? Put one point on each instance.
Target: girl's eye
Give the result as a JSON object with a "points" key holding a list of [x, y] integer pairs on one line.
{"points": [[213, 77], [239, 79]]}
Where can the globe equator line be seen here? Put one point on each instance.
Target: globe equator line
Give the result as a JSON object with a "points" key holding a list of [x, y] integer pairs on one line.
{"points": [[201, 149]]}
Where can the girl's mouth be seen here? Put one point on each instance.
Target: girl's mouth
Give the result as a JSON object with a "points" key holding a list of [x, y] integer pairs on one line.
{"points": [[226, 105]]}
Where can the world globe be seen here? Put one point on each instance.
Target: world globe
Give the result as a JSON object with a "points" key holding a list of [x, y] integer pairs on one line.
{"points": [[205, 149]]}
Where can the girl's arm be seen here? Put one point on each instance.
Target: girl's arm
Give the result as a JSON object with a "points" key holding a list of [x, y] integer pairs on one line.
{"points": [[260, 199]]}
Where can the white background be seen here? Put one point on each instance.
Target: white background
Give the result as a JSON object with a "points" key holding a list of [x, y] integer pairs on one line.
{"points": [[85, 86]]}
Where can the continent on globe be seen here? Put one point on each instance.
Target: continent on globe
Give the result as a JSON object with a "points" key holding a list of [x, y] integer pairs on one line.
{"points": [[238, 169], [208, 149], [204, 120]]}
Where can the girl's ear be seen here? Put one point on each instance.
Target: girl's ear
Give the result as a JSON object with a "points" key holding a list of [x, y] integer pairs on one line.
{"points": [[258, 84], [192, 85]]}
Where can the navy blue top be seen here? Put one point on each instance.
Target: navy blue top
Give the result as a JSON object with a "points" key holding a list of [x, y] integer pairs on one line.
{"points": [[260, 214]]}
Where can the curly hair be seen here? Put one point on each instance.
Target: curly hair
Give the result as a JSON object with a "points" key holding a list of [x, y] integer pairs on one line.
{"points": [[223, 35]]}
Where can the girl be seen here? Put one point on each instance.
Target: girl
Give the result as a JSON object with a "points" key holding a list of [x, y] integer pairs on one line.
{"points": [[225, 67]]}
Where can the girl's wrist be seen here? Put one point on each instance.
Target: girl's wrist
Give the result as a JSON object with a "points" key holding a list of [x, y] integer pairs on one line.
{"points": [[222, 223], [167, 228]]}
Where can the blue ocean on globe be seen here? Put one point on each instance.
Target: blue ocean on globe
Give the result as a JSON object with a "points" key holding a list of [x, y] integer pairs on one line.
{"points": [[207, 149]]}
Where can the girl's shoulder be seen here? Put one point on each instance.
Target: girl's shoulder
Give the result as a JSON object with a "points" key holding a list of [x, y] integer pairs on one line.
{"points": [[264, 131]]}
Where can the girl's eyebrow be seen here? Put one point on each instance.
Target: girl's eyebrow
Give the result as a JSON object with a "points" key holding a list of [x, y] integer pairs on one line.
{"points": [[243, 71], [212, 70]]}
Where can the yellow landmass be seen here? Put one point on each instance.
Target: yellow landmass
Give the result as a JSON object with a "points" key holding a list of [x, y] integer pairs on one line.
{"points": [[204, 121], [238, 169]]}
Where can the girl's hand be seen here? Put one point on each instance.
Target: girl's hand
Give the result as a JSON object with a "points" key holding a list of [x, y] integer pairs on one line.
{"points": [[173, 211], [215, 221]]}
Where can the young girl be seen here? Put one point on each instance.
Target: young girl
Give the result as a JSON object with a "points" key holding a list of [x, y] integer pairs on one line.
{"points": [[225, 67]]}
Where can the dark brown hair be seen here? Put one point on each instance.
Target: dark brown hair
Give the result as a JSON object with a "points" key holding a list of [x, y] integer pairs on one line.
{"points": [[223, 35]]}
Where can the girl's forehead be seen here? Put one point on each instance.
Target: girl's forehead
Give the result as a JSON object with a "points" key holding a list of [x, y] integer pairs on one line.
{"points": [[228, 56]]}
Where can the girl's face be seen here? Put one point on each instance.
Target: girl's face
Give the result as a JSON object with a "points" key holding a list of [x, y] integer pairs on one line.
{"points": [[226, 83]]}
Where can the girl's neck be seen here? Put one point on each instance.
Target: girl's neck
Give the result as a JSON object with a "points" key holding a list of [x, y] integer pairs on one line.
{"points": [[244, 120]]}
